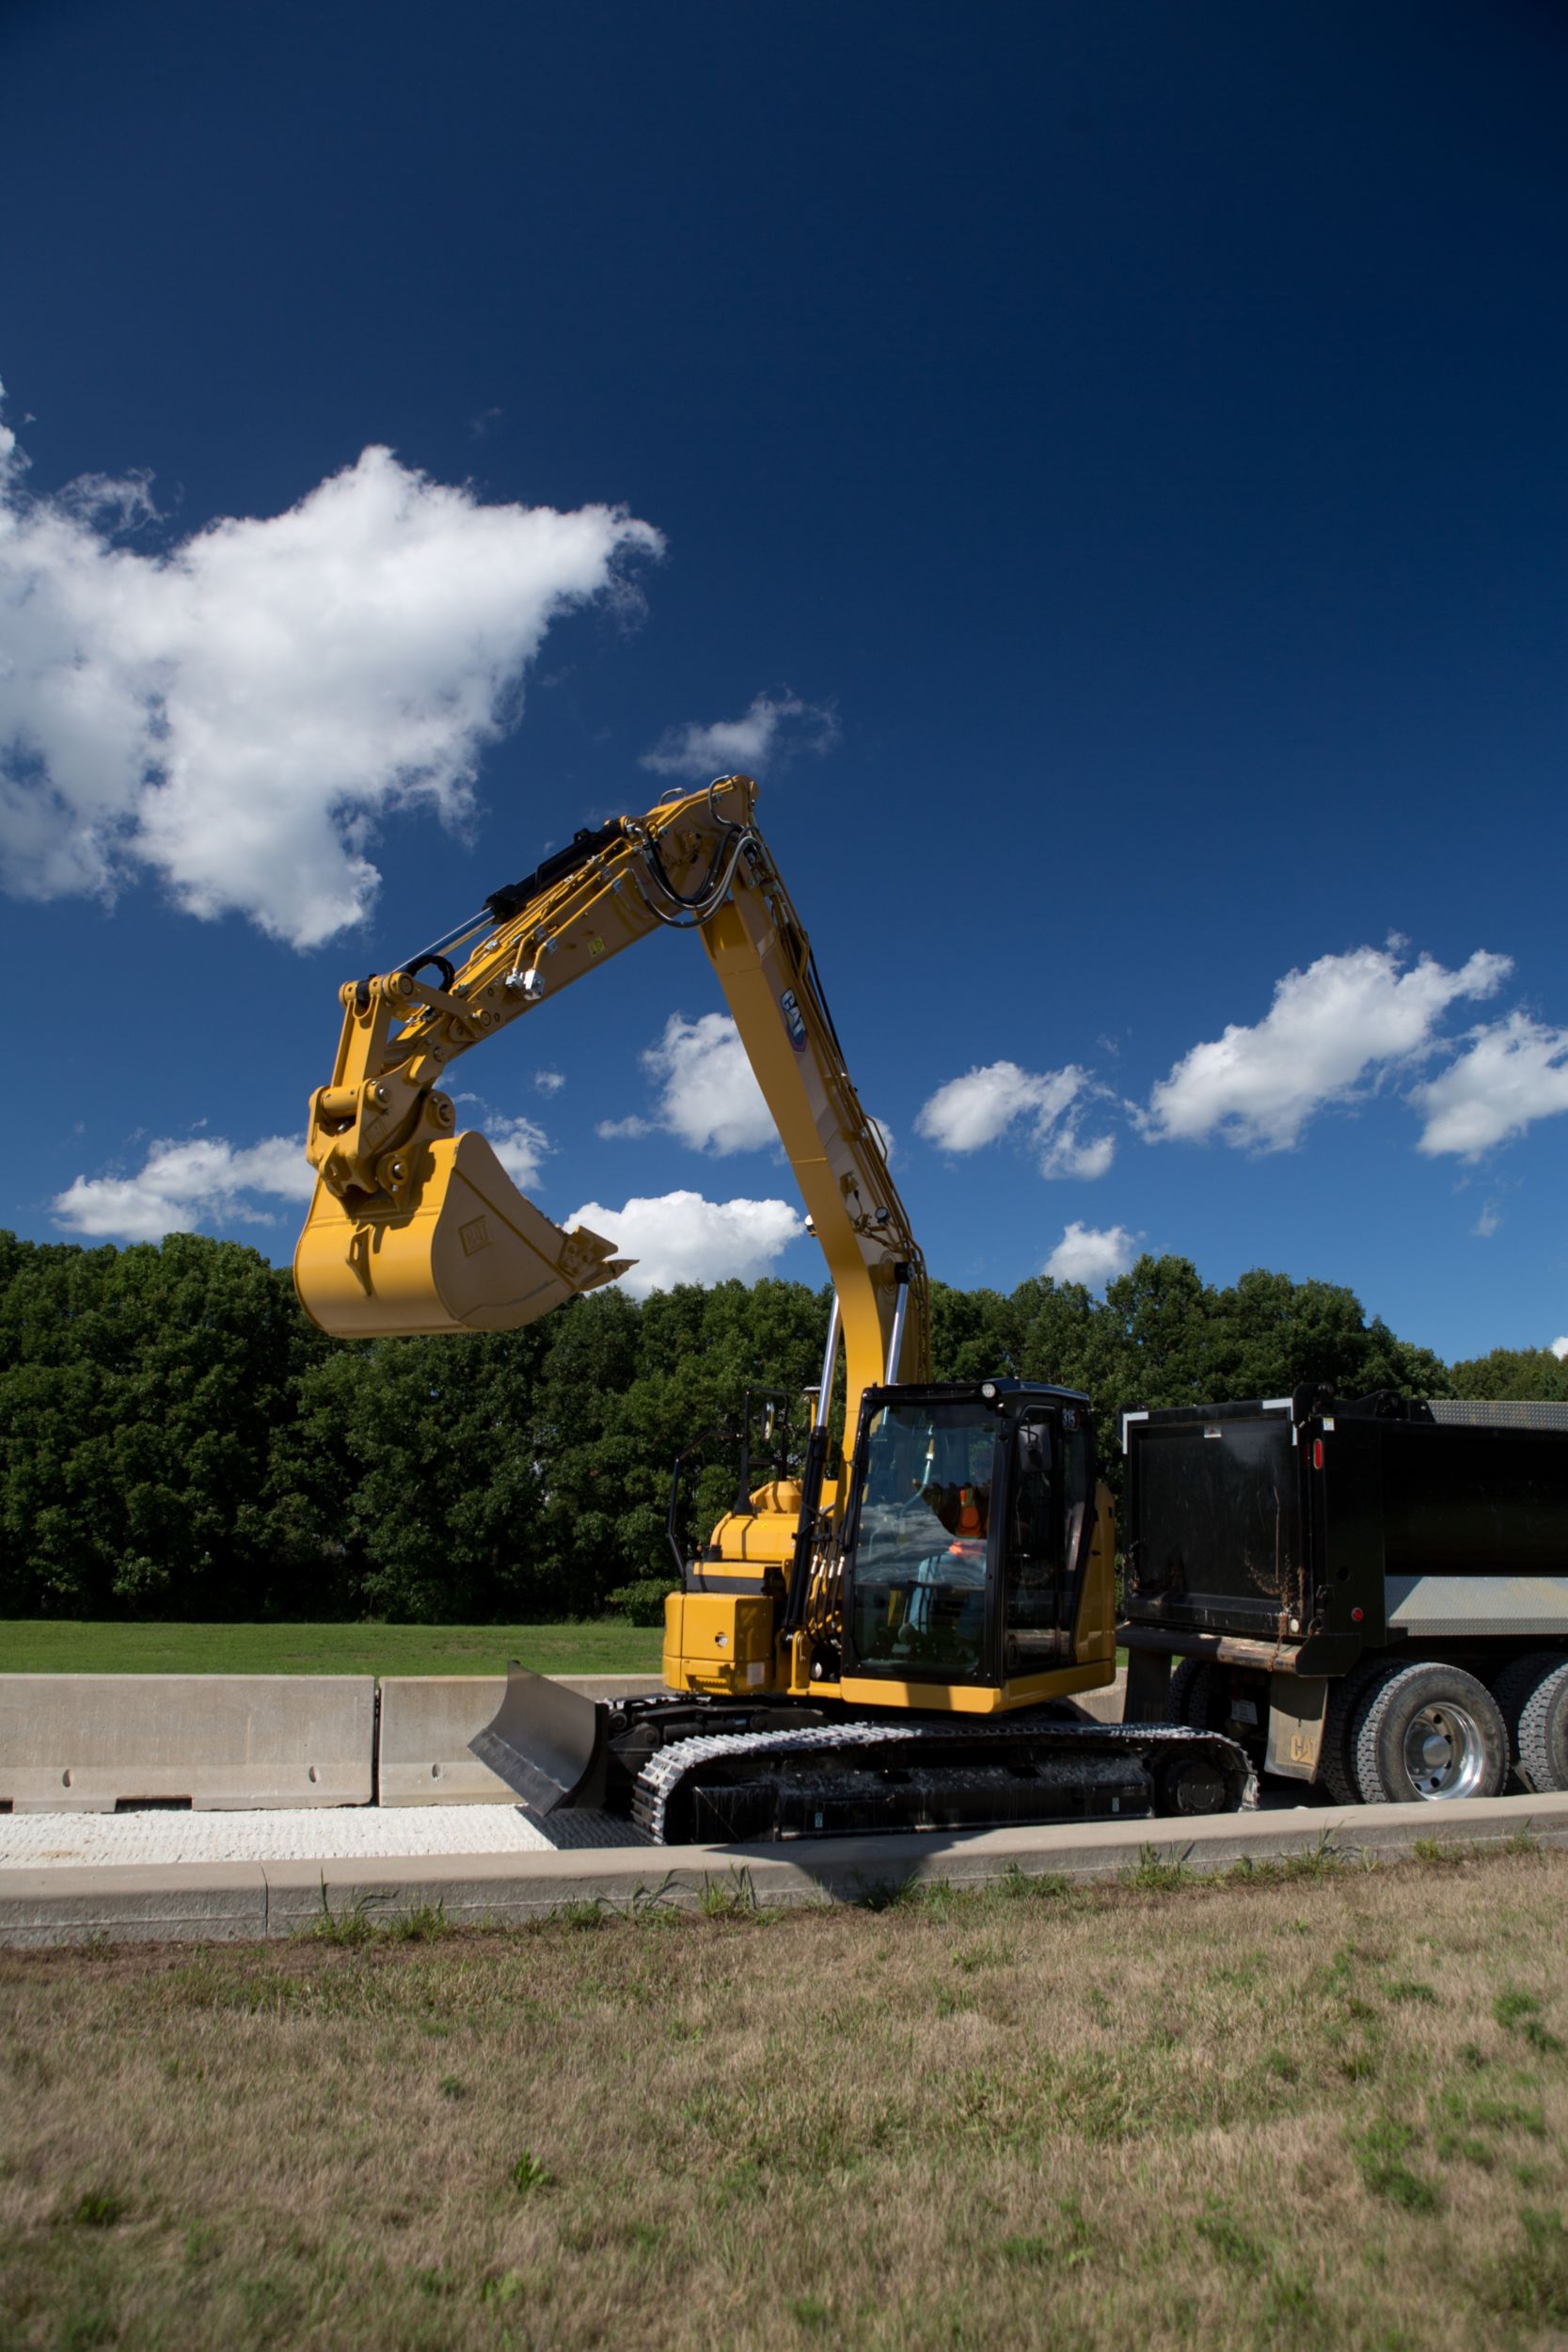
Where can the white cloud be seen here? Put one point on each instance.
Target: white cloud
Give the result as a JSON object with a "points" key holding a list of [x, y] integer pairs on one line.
{"points": [[1487, 1223], [771, 724], [707, 1095], [236, 712], [1066, 1156], [1093, 1257], [1512, 1071], [680, 1237], [968, 1113], [520, 1146], [1560, 1349], [1340, 1021], [549, 1081], [202, 1181]]}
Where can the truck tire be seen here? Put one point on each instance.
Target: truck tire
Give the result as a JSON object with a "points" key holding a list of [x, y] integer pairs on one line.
{"points": [[1192, 1694], [1335, 1768], [1427, 1730], [1533, 1695]]}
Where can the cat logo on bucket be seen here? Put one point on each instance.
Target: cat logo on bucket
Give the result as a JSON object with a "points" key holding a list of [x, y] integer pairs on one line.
{"points": [[794, 1020]]}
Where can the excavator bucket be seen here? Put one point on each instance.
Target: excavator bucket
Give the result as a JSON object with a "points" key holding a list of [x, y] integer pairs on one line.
{"points": [[547, 1742], [467, 1253]]}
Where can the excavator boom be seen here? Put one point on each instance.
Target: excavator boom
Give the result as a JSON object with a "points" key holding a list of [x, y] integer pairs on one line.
{"points": [[416, 1228]]}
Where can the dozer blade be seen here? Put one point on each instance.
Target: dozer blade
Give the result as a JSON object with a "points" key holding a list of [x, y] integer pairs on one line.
{"points": [[547, 1742], [468, 1253]]}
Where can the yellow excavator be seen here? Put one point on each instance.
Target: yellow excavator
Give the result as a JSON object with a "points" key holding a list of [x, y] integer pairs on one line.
{"points": [[890, 1638]]}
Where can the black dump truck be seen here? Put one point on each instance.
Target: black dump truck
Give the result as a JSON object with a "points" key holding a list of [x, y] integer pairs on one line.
{"points": [[1374, 1594]]}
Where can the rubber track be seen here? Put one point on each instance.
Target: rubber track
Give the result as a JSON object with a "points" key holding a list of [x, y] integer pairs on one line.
{"points": [[662, 1775]]}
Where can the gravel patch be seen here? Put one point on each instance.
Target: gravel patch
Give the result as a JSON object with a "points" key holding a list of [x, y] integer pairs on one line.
{"points": [[32, 1841]]}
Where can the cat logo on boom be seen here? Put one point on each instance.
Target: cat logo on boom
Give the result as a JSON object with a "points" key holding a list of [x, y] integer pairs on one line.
{"points": [[794, 1020]]}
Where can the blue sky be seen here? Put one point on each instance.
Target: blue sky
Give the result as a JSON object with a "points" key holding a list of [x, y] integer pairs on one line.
{"points": [[1102, 468]]}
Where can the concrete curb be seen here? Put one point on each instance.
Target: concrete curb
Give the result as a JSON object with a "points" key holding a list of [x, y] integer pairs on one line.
{"points": [[251, 1902]]}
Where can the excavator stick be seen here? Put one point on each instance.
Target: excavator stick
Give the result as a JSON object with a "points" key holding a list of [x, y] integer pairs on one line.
{"points": [[466, 1252], [547, 1742]]}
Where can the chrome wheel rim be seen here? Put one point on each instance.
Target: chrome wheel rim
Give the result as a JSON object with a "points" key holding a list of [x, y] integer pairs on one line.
{"points": [[1443, 1753]]}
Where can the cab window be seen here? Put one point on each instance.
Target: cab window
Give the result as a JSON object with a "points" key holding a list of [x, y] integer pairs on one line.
{"points": [[1032, 1563], [919, 1606]]}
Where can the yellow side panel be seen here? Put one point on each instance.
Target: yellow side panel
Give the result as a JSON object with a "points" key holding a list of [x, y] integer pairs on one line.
{"points": [[467, 1254], [718, 1641], [966, 1698]]}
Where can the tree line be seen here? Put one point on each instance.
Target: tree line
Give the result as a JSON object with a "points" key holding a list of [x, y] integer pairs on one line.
{"points": [[177, 1441]]}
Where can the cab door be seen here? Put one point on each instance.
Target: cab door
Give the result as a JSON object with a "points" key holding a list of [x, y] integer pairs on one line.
{"points": [[1046, 1524]]}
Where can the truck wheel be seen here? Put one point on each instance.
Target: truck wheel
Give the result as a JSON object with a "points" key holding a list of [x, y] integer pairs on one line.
{"points": [[1191, 1692], [1533, 1695], [1427, 1730]]}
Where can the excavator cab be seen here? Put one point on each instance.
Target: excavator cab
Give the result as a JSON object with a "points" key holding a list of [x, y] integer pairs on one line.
{"points": [[970, 1529]]}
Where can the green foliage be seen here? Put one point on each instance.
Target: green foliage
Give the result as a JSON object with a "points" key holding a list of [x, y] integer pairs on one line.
{"points": [[99, 2209], [1380, 2151], [1533, 2278], [1155, 1874], [1230, 2240], [177, 1443], [352, 1926], [1519, 2012], [140, 1391], [1514, 1371], [642, 1603]]}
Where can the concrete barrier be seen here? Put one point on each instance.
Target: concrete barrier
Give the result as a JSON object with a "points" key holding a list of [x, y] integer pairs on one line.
{"points": [[94, 1742], [427, 1722], [256, 1742], [1104, 1706]]}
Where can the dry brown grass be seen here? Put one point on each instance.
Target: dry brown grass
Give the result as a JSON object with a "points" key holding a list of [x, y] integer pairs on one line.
{"points": [[1296, 2111]]}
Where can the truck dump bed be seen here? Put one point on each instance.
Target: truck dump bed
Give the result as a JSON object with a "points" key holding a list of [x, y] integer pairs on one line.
{"points": [[1327, 1526]]}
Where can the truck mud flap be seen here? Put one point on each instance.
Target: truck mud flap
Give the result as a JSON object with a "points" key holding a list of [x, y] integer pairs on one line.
{"points": [[548, 1743]]}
